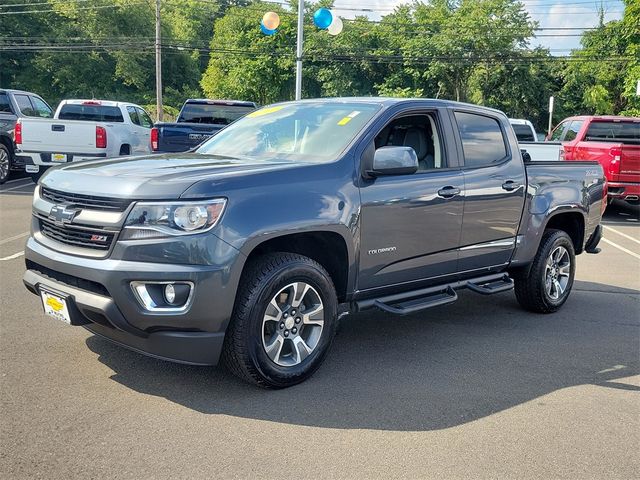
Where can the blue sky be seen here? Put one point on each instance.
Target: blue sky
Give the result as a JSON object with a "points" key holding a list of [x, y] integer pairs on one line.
{"points": [[549, 14]]}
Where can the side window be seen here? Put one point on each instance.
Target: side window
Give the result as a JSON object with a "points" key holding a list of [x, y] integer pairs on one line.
{"points": [[557, 132], [25, 105], [133, 115], [572, 131], [41, 108], [482, 139], [418, 132], [5, 106], [145, 119]]}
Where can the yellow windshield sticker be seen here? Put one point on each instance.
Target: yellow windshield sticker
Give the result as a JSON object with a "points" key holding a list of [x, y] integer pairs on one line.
{"points": [[265, 111], [348, 118]]}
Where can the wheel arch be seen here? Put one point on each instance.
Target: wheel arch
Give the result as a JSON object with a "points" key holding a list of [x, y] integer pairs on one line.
{"points": [[572, 223], [327, 247]]}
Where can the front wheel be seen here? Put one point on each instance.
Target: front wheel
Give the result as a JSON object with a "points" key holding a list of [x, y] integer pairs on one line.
{"points": [[549, 281], [283, 323]]}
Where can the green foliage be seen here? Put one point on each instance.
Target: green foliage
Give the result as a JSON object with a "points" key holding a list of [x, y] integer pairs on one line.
{"points": [[468, 50]]}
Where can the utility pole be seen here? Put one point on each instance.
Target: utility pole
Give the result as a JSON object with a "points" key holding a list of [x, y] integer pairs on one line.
{"points": [[158, 66], [550, 115], [299, 49]]}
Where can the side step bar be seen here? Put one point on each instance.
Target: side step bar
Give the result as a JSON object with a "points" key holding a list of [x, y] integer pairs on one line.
{"points": [[417, 300], [411, 306], [489, 288]]}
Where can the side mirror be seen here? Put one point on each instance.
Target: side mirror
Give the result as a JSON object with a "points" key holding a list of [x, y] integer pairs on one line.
{"points": [[394, 161]]}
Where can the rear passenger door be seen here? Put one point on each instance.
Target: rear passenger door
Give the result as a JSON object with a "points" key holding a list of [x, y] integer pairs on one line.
{"points": [[494, 179]]}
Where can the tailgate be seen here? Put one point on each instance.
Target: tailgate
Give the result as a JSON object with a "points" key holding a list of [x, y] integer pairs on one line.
{"points": [[184, 136], [629, 164], [58, 136]]}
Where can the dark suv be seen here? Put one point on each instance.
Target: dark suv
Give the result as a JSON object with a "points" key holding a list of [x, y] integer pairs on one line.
{"points": [[15, 104]]}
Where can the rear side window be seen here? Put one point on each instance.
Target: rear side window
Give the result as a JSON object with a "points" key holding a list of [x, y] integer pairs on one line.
{"points": [[610, 131], [482, 139], [133, 115], [92, 113], [212, 113], [572, 131], [24, 105], [5, 106], [524, 133], [557, 133]]}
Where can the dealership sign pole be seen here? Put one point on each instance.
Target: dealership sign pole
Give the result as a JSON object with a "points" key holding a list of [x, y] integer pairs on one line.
{"points": [[299, 49]]}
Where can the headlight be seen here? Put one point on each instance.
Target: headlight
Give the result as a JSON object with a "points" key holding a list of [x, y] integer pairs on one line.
{"points": [[162, 219]]}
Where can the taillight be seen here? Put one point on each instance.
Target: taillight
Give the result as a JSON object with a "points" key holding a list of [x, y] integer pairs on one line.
{"points": [[101, 137], [616, 155], [154, 139], [17, 133]]}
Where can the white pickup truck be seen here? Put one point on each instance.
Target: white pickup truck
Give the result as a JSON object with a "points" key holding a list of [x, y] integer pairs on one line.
{"points": [[82, 130]]}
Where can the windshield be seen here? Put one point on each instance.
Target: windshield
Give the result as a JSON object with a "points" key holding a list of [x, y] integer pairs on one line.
{"points": [[308, 132], [614, 131], [212, 113]]}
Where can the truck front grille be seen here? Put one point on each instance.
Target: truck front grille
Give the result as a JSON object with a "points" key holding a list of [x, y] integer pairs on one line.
{"points": [[84, 201], [77, 236]]}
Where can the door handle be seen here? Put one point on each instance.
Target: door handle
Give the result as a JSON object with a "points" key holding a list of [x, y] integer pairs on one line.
{"points": [[448, 192], [510, 185]]}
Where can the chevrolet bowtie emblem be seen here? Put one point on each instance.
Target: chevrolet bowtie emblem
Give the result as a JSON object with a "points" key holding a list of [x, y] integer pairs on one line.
{"points": [[61, 214]]}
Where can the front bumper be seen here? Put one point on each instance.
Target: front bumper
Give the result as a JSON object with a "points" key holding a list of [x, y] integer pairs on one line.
{"points": [[100, 299]]}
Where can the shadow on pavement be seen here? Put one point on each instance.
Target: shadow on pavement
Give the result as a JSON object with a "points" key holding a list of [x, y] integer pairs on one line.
{"points": [[429, 371]]}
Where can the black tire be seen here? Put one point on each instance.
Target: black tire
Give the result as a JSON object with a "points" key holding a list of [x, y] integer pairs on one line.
{"points": [[6, 162], [531, 287], [244, 353]]}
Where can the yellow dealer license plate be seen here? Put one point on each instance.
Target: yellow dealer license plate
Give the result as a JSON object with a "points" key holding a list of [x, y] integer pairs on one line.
{"points": [[55, 306], [59, 157]]}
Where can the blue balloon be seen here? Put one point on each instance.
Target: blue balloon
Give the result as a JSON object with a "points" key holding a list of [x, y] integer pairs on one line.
{"points": [[266, 31], [322, 18]]}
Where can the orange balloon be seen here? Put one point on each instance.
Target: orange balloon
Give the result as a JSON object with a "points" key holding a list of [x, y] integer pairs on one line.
{"points": [[271, 20]]}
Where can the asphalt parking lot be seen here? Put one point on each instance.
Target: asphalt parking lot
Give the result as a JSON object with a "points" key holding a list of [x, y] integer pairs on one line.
{"points": [[477, 389]]}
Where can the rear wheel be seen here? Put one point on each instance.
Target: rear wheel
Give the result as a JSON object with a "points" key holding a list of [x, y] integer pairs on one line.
{"points": [[283, 323], [549, 281], [5, 163]]}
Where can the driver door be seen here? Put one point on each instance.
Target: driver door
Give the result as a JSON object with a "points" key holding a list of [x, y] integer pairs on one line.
{"points": [[411, 224]]}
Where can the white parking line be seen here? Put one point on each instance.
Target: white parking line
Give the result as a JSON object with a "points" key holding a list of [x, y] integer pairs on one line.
{"points": [[615, 245], [15, 237], [628, 237], [18, 187], [11, 257]]}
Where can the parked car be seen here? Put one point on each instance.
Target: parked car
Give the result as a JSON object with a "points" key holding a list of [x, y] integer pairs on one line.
{"points": [[198, 120], [15, 104], [524, 130], [244, 249], [82, 130], [611, 140], [541, 151]]}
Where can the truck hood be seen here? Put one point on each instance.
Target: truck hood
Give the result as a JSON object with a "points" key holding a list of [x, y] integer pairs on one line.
{"points": [[153, 176]]}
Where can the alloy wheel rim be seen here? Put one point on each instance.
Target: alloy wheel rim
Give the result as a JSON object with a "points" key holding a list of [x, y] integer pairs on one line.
{"points": [[557, 272], [4, 164], [292, 324]]}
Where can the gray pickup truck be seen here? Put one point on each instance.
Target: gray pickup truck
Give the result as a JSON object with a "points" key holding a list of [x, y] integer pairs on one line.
{"points": [[249, 249]]}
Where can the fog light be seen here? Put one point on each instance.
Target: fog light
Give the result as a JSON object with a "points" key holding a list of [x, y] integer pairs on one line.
{"points": [[167, 297], [170, 293]]}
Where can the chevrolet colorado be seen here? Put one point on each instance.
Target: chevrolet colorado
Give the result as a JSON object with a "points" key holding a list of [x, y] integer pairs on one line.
{"points": [[248, 248]]}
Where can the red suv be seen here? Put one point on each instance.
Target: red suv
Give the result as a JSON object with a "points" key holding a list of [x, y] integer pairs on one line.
{"points": [[613, 141]]}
